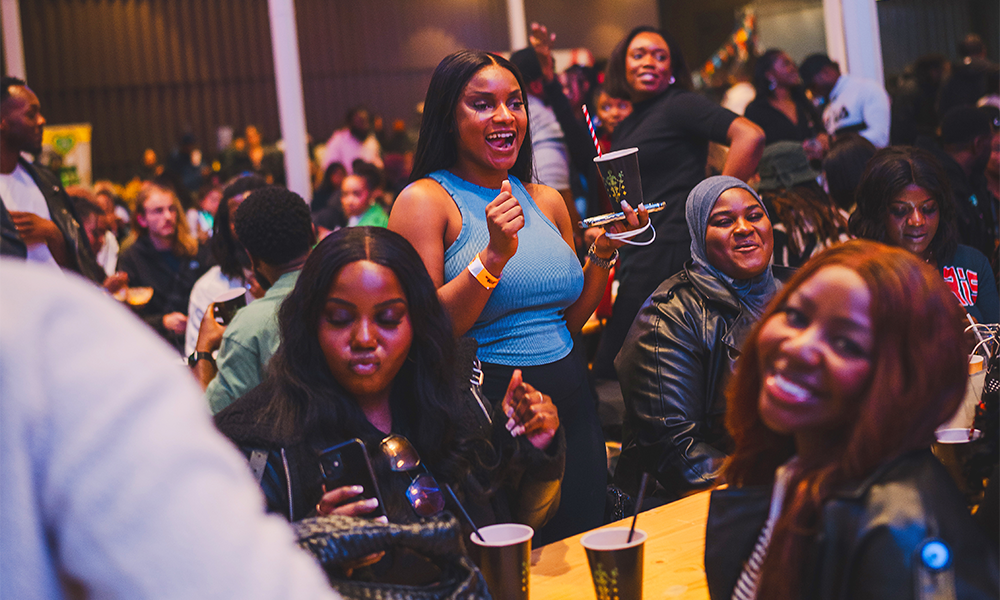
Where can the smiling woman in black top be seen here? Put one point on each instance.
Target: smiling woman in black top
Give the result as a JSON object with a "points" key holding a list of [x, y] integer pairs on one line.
{"points": [[671, 126]]}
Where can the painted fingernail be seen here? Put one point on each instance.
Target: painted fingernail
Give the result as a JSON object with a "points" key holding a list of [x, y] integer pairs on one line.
{"points": [[382, 519], [357, 489], [642, 206], [624, 204], [370, 503], [510, 424], [519, 430], [509, 411]]}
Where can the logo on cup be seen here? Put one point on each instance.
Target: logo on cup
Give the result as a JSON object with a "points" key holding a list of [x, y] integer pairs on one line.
{"points": [[615, 184], [605, 583]]}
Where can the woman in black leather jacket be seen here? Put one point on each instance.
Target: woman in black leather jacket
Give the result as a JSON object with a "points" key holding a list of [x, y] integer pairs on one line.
{"points": [[685, 341], [833, 492], [368, 351]]}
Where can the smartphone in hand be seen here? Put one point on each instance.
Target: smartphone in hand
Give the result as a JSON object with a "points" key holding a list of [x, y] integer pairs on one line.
{"points": [[347, 464]]}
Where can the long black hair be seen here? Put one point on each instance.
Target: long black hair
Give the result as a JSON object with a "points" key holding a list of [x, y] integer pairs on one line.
{"points": [[888, 173], [762, 85], [226, 250], [436, 146], [309, 400], [615, 80]]}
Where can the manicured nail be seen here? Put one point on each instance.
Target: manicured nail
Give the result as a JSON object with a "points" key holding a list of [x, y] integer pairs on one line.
{"points": [[519, 430], [382, 519], [624, 204], [357, 489], [510, 424], [370, 503]]}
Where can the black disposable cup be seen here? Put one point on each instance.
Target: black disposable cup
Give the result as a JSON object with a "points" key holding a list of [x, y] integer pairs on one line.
{"points": [[505, 559], [619, 171], [226, 304], [615, 564]]}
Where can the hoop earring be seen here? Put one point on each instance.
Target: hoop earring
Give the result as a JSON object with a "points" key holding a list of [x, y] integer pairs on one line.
{"points": [[671, 80]]}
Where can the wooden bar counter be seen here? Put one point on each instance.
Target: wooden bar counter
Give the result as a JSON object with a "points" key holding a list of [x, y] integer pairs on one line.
{"points": [[674, 557]]}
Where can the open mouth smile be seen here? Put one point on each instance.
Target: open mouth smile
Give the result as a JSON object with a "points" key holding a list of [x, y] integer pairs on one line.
{"points": [[502, 140]]}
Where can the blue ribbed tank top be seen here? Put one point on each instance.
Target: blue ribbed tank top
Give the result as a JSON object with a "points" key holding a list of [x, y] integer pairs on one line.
{"points": [[523, 323]]}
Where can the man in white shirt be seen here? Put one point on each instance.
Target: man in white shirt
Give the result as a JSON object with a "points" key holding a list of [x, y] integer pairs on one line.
{"points": [[116, 484], [33, 196], [853, 103], [353, 141]]}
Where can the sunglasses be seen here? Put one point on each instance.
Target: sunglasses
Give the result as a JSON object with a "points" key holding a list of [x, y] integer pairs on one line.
{"points": [[425, 495]]}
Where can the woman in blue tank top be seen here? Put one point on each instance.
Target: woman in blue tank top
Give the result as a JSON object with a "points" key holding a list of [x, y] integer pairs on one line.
{"points": [[500, 250]]}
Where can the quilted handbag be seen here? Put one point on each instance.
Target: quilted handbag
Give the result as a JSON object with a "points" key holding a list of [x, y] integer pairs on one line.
{"points": [[337, 540]]}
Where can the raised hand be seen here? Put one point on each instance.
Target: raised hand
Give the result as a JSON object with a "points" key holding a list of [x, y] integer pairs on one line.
{"points": [[529, 412], [504, 218], [541, 41]]}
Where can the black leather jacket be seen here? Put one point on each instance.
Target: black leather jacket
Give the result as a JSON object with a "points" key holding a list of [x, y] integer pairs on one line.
{"points": [[291, 479], [61, 211], [870, 538], [673, 369]]}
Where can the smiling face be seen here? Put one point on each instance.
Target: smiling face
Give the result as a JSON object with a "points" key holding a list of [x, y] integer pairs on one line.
{"points": [[21, 120], [815, 358], [738, 238], [912, 220], [365, 331], [647, 65], [490, 124]]}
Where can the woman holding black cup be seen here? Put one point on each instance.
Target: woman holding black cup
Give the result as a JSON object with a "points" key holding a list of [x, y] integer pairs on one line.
{"points": [[500, 250]]}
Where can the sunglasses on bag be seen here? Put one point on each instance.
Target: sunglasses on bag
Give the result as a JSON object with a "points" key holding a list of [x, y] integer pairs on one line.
{"points": [[425, 495]]}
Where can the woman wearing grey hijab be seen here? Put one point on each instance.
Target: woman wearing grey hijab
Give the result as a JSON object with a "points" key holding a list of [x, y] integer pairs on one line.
{"points": [[685, 341]]}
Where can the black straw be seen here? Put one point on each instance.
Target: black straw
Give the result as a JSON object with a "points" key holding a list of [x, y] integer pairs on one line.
{"points": [[638, 505], [464, 514]]}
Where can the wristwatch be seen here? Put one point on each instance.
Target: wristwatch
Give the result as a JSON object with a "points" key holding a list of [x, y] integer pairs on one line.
{"points": [[196, 356]]}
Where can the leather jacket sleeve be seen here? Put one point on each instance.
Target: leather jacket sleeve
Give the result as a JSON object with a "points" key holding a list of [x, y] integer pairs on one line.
{"points": [[663, 369]]}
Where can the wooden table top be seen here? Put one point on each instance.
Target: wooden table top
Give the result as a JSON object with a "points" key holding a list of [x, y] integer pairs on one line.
{"points": [[674, 557]]}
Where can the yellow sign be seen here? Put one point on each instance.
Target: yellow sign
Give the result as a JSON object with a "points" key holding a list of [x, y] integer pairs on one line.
{"points": [[66, 150]]}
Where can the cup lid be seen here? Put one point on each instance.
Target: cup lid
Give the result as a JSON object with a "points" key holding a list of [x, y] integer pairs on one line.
{"points": [[615, 154], [503, 534], [612, 538]]}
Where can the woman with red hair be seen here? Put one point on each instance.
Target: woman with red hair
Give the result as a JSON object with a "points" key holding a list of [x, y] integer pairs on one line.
{"points": [[833, 492]]}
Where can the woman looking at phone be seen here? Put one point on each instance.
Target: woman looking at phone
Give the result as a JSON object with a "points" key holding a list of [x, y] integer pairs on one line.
{"points": [[367, 351], [833, 491], [904, 200], [671, 126], [500, 251]]}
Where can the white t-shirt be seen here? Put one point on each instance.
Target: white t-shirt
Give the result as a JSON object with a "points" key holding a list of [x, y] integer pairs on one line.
{"points": [[20, 194], [115, 480]]}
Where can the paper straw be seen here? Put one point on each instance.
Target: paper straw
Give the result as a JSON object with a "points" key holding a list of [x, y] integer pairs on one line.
{"points": [[590, 125]]}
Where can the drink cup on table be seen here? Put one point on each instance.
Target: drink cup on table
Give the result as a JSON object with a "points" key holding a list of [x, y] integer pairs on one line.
{"points": [[615, 563], [504, 557]]}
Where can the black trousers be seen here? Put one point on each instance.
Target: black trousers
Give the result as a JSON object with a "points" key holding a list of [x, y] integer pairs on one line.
{"points": [[584, 485]]}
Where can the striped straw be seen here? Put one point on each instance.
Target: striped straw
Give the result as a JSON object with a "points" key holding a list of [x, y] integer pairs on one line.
{"points": [[590, 125]]}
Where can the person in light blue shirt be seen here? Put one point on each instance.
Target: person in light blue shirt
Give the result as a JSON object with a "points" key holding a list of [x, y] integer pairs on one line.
{"points": [[275, 227]]}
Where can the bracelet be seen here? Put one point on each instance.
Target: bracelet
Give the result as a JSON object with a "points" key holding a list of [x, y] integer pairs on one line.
{"points": [[482, 275], [603, 263]]}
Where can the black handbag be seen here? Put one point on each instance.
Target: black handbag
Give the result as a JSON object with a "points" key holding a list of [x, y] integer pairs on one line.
{"points": [[337, 541]]}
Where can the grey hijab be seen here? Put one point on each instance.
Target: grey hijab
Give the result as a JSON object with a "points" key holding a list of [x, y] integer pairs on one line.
{"points": [[753, 293]]}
